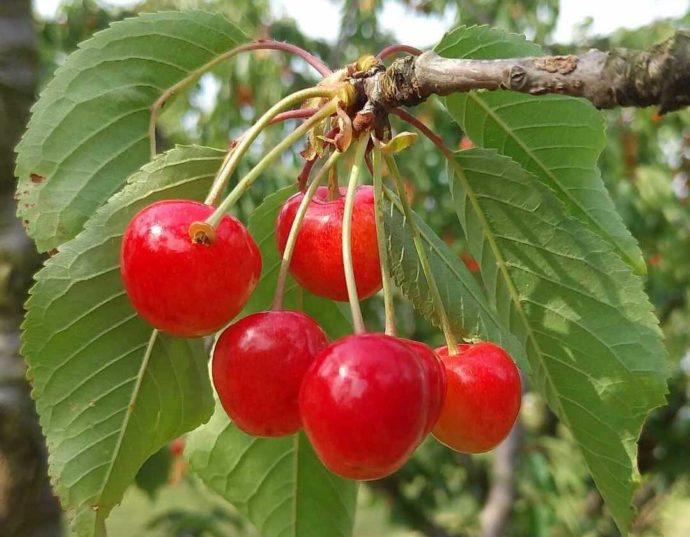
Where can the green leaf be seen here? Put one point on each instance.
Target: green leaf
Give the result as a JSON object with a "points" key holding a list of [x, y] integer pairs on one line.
{"points": [[109, 391], [557, 138], [155, 472], [89, 129], [278, 483], [593, 343], [465, 303]]}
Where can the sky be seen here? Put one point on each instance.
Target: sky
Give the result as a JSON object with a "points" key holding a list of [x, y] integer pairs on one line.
{"points": [[320, 18]]}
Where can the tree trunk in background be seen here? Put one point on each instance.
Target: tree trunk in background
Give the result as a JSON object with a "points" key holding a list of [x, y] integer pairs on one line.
{"points": [[27, 505], [499, 504]]}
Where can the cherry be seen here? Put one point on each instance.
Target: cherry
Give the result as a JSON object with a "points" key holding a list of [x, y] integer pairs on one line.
{"points": [[466, 143], [436, 380], [364, 405], [482, 398], [258, 366], [317, 261], [176, 447], [181, 286]]}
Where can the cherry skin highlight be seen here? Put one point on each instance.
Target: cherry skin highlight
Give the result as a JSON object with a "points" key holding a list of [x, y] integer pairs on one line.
{"points": [[483, 397], [258, 366], [180, 286], [317, 261], [436, 379], [364, 405]]}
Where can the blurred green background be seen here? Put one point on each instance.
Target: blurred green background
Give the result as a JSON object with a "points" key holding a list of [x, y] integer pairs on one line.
{"points": [[536, 483]]}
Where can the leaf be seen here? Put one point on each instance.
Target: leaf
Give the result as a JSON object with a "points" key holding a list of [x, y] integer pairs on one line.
{"points": [[155, 472], [557, 138], [398, 143], [89, 129], [278, 483], [593, 344], [108, 393], [468, 310]]}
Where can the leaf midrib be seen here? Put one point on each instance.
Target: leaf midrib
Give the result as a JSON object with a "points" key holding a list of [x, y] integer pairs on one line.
{"points": [[125, 426], [512, 290]]}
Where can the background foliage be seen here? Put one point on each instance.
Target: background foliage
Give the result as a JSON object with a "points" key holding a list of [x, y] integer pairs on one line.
{"points": [[645, 165]]}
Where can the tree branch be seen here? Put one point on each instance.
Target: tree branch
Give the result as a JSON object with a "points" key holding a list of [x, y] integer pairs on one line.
{"points": [[496, 511], [621, 77]]}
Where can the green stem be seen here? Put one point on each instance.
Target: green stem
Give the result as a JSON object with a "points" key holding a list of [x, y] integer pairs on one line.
{"points": [[357, 320], [236, 153], [294, 230], [389, 306], [218, 186], [246, 182], [423, 259]]}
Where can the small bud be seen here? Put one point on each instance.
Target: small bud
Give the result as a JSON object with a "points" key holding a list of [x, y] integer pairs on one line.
{"points": [[398, 143]]}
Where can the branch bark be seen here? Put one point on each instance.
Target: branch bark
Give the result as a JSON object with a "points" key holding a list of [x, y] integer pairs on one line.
{"points": [[622, 77]]}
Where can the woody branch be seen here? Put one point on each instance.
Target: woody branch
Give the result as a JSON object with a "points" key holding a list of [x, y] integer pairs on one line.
{"points": [[622, 77]]}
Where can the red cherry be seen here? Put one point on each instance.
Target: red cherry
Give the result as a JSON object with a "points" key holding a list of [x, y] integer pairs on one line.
{"points": [[482, 398], [466, 143], [436, 380], [470, 262], [655, 260], [364, 405], [180, 286], [317, 261], [258, 366]]}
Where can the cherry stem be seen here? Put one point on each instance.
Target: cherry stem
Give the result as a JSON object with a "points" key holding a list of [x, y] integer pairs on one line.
{"points": [[367, 159], [333, 187], [388, 303], [423, 259], [219, 183], [397, 49], [304, 174], [246, 182], [357, 320], [312, 60], [299, 113], [426, 131], [294, 230]]}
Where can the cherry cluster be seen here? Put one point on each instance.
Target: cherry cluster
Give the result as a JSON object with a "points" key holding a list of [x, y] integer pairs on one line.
{"points": [[366, 401]]}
